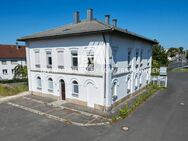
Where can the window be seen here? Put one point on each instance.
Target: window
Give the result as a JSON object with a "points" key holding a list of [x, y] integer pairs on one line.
{"points": [[129, 56], [114, 91], [37, 59], [14, 62], [49, 59], [13, 71], [5, 71], [39, 84], [60, 58], [75, 88], [90, 59], [74, 60], [141, 55], [4, 62], [50, 85], [128, 84], [137, 54]]}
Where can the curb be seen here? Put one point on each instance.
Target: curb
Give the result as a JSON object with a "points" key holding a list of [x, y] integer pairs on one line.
{"points": [[57, 118], [4, 99]]}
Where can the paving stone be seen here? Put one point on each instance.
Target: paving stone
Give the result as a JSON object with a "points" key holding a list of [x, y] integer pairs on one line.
{"points": [[44, 108], [77, 117], [61, 112], [40, 98], [99, 120]]}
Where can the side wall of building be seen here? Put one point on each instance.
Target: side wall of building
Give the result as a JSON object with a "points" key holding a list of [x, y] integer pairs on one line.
{"points": [[129, 78]]}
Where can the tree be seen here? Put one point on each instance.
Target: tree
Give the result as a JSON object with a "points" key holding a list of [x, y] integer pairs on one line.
{"points": [[186, 54], [20, 72], [159, 56], [181, 50]]}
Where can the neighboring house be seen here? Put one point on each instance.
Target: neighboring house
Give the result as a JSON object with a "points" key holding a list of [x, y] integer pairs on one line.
{"points": [[70, 62], [11, 56]]}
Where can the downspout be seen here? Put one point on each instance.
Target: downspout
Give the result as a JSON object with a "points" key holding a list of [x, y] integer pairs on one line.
{"points": [[104, 39]]}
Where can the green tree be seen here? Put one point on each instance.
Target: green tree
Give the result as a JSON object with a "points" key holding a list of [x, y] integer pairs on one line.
{"points": [[160, 57], [186, 54], [181, 50], [20, 72]]}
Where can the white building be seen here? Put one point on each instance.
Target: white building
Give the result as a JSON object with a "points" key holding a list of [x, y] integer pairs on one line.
{"points": [[11, 56], [70, 62]]}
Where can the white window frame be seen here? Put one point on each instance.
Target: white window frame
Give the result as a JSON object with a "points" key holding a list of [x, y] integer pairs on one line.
{"points": [[5, 70], [4, 62], [37, 58], [50, 85], [90, 59], [14, 62], [60, 59], [74, 85], [49, 55], [39, 83], [73, 56]]}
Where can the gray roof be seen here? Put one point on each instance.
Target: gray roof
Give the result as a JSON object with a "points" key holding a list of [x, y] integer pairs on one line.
{"points": [[81, 28]]}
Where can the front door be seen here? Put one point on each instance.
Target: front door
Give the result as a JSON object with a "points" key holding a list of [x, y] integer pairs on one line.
{"points": [[62, 88]]}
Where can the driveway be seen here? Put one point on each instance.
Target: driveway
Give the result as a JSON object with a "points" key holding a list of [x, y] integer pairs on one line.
{"points": [[164, 117]]}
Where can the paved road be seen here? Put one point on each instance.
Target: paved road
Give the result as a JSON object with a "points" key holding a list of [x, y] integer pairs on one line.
{"points": [[162, 118]]}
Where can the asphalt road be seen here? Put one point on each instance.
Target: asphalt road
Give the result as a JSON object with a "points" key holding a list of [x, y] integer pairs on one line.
{"points": [[164, 117]]}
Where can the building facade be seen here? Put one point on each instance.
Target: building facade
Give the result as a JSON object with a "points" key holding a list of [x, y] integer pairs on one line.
{"points": [[10, 57], [89, 62]]}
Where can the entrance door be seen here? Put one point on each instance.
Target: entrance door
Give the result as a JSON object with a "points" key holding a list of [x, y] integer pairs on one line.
{"points": [[62, 88]]}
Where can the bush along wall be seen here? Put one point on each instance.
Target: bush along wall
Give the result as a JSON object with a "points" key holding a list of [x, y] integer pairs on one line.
{"points": [[128, 108]]}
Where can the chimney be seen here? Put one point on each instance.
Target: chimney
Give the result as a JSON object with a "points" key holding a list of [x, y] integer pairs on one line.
{"points": [[90, 14], [114, 22], [107, 19], [76, 17], [17, 45]]}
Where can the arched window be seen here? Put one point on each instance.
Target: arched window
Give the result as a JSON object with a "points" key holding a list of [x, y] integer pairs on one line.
{"points": [[39, 84], [75, 88], [114, 91], [50, 85]]}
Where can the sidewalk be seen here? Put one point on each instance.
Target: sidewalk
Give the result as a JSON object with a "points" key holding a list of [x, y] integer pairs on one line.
{"points": [[44, 106]]}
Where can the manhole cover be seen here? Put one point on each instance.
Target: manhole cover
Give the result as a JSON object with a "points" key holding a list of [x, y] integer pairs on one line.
{"points": [[182, 104], [125, 128]]}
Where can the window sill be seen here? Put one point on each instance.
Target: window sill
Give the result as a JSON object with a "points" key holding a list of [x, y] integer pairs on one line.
{"points": [[90, 68], [60, 67], [49, 66], [74, 94], [37, 66], [74, 68], [39, 89], [50, 90]]}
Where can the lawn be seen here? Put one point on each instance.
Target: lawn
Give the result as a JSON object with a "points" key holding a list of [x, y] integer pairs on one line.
{"points": [[180, 70], [10, 89]]}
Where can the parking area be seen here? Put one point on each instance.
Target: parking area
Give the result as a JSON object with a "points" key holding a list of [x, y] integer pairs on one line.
{"points": [[44, 107]]}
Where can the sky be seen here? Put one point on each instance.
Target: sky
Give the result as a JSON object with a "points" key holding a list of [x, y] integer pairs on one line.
{"points": [[164, 20]]}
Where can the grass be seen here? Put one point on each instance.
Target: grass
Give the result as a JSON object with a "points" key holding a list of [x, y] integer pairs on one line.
{"points": [[12, 89], [180, 70], [129, 108]]}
